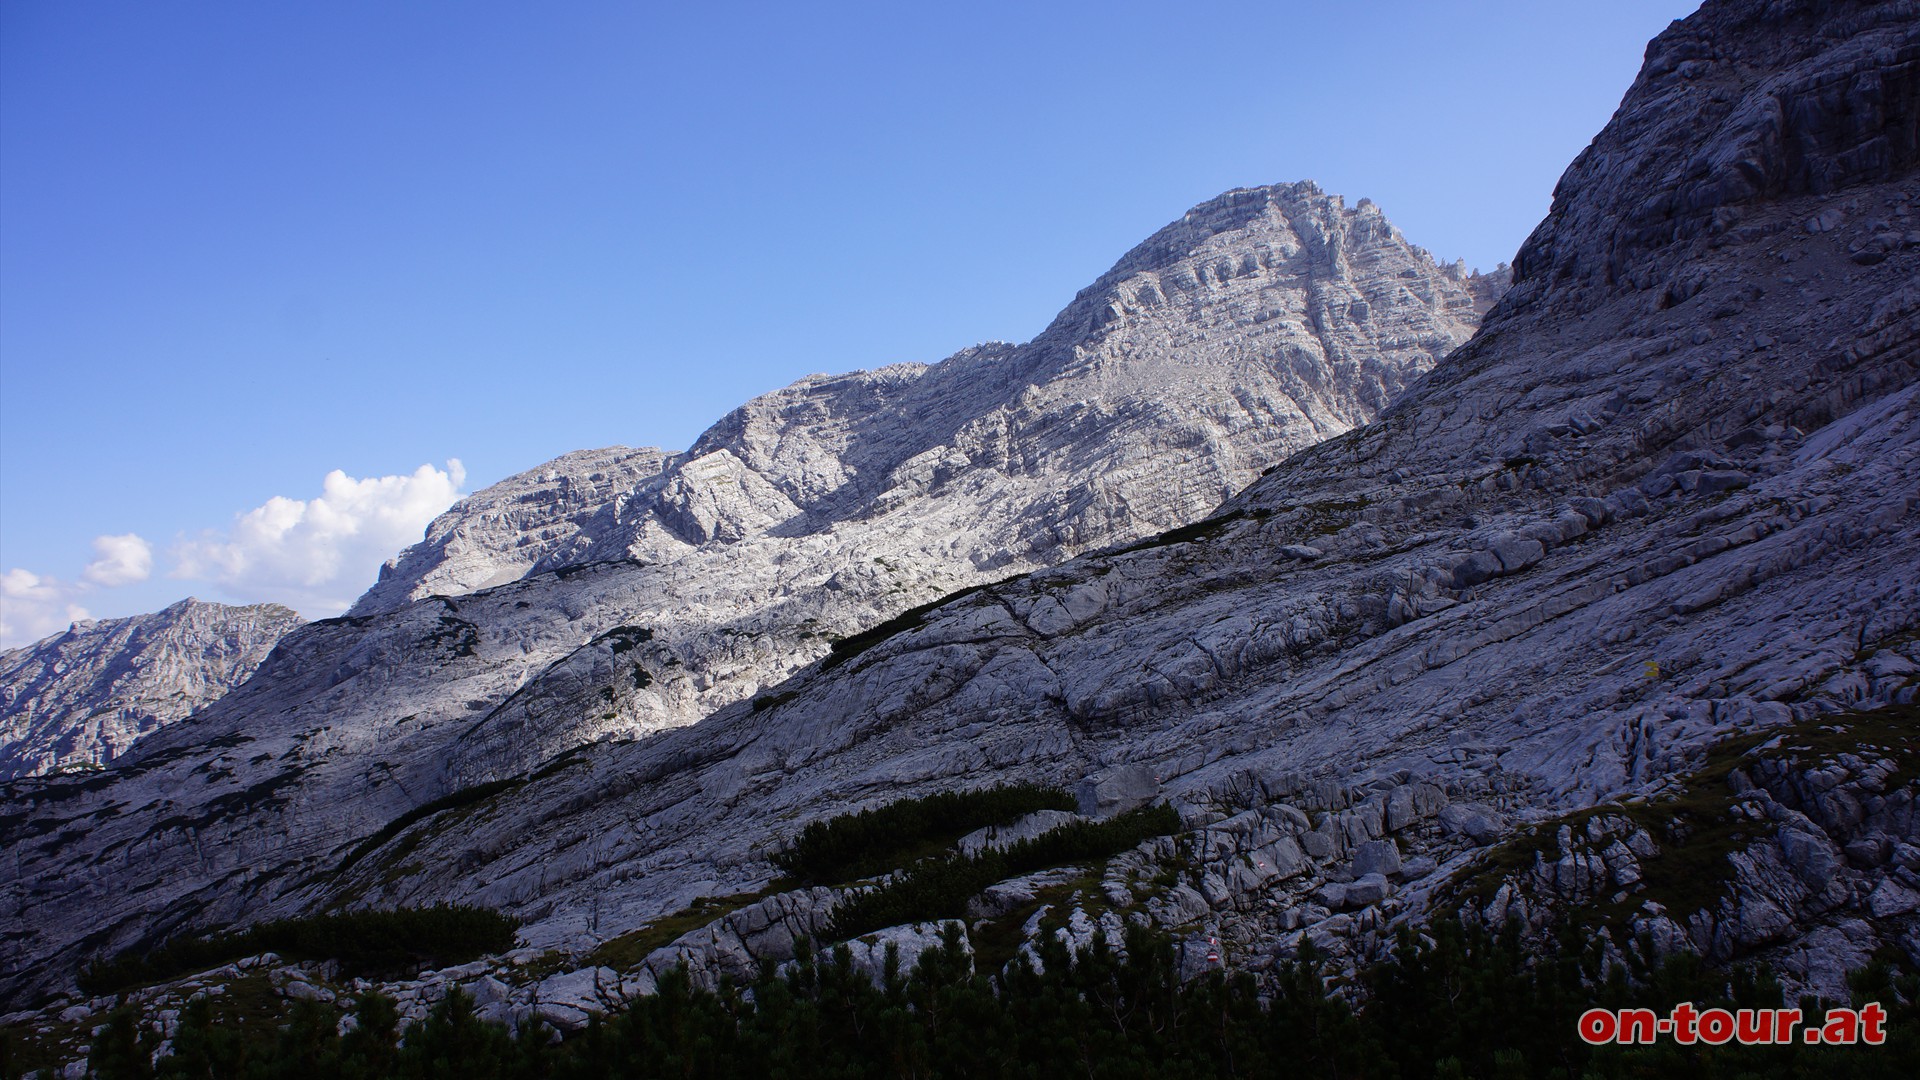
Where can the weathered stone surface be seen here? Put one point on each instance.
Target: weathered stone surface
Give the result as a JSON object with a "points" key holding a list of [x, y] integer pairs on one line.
{"points": [[906, 943], [1117, 790], [569, 1000], [1443, 635], [1376, 857], [994, 837], [1368, 889], [83, 697]]}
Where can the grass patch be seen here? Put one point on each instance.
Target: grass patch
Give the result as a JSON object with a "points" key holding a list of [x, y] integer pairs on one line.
{"points": [[762, 702], [561, 762], [1183, 534], [997, 941], [624, 638], [625, 952], [875, 841], [1695, 827], [248, 1003], [853, 645]]}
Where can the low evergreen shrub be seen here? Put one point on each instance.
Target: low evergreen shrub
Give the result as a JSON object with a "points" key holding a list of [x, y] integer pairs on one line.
{"points": [[884, 838], [364, 942], [1452, 1003], [939, 888]]}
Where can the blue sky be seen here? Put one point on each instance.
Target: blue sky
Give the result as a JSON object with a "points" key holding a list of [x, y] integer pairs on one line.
{"points": [[244, 245]]}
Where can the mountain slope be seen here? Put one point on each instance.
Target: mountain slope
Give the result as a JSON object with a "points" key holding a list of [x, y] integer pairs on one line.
{"points": [[614, 593], [1259, 323], [1666, 495], [83, 697]]}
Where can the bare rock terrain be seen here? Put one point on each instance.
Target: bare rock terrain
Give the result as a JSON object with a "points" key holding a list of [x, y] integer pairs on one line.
{"points": [[1651, 533], [81, 698], [611, 594]]}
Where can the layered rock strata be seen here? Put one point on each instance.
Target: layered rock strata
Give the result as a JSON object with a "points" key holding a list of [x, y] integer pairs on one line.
{"points": [[81, 698]]}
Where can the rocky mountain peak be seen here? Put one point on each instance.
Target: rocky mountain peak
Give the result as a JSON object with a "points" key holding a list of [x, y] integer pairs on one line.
{"points": [[1639, 516], [81, 698]]}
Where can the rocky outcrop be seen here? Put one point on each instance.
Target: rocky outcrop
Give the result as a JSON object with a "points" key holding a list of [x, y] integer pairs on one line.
{"points": [[611, 594], [1787, 100], [1598, 540], [81, 698], [1617, 528]]}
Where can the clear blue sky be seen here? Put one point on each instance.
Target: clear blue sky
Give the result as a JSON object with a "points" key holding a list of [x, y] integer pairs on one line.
{"points": [[244, 244]]}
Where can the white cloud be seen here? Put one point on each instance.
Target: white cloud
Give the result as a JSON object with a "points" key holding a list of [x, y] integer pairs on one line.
{"points": [[316, 555], [33, 607], [122, 560]]}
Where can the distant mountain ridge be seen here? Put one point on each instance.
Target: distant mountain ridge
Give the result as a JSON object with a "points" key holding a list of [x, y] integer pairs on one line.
{"points": [[82, 697]]}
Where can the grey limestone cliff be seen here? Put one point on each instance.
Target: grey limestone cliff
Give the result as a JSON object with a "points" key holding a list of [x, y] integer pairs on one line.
{"points": [[82, 697], [1259, 323], [613, 593], [1665, 498]]}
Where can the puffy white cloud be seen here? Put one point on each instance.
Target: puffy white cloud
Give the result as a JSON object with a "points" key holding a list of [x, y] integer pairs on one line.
{"points": [[33, 607], [122, 560], [316, 555]]}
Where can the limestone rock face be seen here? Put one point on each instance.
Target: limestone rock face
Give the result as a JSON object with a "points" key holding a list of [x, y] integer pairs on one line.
{"points": [[81, 698], [1258, 324], [613, 593], [1639, 512], [1604, 535]]}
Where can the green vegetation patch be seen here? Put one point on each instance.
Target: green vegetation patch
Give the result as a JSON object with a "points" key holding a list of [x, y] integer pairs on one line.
{"points": [[367, 942], [1457, 1003], [1185, 534], [884, 838], [997, 941], [939, 888], [625, 638], [853, 645], [626, 951]]}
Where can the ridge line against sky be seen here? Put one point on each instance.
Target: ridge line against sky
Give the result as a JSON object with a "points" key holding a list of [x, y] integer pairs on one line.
{"points": [[278, 281]]}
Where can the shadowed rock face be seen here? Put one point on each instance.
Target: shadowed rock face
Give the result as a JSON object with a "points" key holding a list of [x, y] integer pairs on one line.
{"points": [[619, 592], [83, 697], [1795, 98], [1665, 494]]}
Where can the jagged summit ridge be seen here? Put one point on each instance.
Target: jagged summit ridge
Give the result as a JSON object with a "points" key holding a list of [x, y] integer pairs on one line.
{"points": [[81, 698], [612, 593], [1261, 323], [1286, 315]]}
